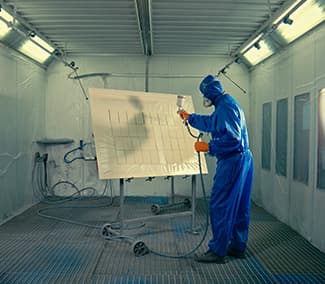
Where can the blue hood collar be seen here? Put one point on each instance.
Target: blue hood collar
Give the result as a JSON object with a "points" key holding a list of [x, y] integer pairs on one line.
{"points": [[211, 88]]}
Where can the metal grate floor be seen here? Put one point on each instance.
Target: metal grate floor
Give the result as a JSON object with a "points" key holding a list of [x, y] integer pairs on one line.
{"points": [[38, 250]]}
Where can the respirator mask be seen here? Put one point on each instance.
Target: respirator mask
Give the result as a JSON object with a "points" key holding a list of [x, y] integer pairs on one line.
{"points": [[207, 102]]}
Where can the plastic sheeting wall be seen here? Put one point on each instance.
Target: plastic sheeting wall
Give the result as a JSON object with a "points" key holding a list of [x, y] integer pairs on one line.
{"points": [[296, 71], [22, 92], [68, 114]]}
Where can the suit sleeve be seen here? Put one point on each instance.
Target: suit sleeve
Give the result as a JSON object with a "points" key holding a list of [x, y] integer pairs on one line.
{"points": [[201, 122]]}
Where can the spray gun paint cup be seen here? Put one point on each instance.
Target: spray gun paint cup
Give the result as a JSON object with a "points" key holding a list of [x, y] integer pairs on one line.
{"points": [[180, 103]]}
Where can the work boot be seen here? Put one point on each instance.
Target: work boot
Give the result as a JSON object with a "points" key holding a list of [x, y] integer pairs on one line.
{"points": [[211, 257], [236, 253]]}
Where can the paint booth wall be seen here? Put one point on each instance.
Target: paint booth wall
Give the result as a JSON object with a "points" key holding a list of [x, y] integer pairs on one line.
{"points": [[67, 111], [285, 110], [22, 91]]}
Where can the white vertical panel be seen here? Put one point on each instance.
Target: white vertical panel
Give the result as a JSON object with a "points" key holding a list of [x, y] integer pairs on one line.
{"points": [[301, 197], [8, 141], [22, 92], [30, 123], [297, 70], [318, 233], [283, 89], [264, 88]]}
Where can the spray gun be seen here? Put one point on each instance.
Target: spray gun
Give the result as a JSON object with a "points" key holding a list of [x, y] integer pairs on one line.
{"points": [[180, 103]]}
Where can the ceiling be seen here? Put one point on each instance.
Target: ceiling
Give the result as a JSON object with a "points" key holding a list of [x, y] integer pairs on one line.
{"points": [[150, 27]]}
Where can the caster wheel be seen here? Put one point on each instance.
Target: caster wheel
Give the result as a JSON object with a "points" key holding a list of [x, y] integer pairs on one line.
{"points": [[155, 208], [187, 203], [139, 248], [106, 231]]}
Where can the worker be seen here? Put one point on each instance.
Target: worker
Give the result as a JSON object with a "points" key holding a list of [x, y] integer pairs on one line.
{"points": [[231, 190]]}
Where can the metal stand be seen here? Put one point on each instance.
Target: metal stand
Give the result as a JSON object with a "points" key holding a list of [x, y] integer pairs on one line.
{"points": [[122, 184], [123, 221], [139, 247], [172, 197], [194, 229], [157, 208]]}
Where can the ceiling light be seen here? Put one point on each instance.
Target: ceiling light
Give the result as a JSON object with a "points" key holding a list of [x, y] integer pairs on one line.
{"points": [[308, 15], [4, 29], [31, 49], [290, 8], [43, 43], [255, 56]]}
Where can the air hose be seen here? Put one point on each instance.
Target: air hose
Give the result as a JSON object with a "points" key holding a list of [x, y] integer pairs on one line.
{"points": [[139, 248], [79, 148], [205, 202]]}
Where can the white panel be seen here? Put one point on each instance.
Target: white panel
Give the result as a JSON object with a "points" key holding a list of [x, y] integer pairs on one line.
{"points": [[318, 222], [22, 91], [318, 225], [281, 195], [283, 76], [297, 70], [303, 63], [301, 195], [139, 134], [30, 123], [282, 89], [256, 139], [301, 208], [319, 55], [264, 88], [267, 190], [281, 184], [8, 141]]}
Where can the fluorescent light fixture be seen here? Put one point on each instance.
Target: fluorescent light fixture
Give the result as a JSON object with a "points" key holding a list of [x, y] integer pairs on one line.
{"points": [[280, 18], [255, 56], [308, 15], [4, 29], [32, 50], [43, 43]]}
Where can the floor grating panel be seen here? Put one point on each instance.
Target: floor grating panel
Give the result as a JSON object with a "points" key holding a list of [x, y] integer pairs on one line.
{"points": [[39, 250]]}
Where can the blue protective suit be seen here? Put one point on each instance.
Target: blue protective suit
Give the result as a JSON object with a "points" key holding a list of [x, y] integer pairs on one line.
{"points": [[231, 191]]}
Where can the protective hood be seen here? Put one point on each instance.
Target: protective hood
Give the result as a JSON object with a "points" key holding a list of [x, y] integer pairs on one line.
{"points": [[211, 88]]}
